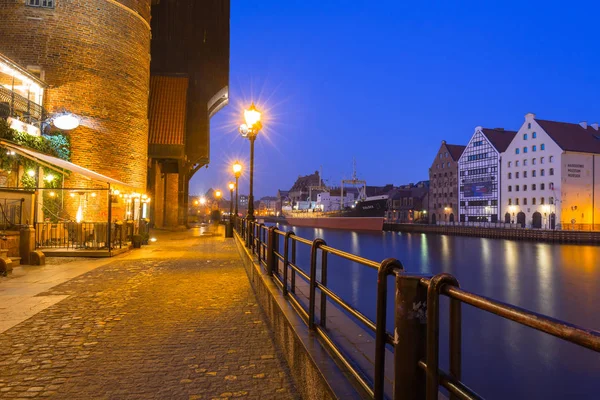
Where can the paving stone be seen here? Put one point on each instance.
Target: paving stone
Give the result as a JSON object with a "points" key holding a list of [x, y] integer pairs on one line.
{"points": [[174, 326]]}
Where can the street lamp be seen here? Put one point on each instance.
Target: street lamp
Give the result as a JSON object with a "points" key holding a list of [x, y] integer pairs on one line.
{"points": [[237, 172], [250, 130], [218, 195]]}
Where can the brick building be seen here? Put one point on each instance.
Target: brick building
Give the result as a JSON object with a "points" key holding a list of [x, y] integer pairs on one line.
{"points": [[190, 40], [95, 58], [443, 196]]}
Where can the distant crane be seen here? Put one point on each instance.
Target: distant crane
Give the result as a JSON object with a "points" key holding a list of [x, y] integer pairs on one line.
{"points": [[362, 194]]}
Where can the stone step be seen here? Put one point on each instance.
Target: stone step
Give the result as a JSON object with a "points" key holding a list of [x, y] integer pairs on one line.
{"points": [[15, 261]]}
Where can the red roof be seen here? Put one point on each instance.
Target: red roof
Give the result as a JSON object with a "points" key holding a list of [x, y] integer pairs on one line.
{"points": [[572, 137], [455, 150], [167, 109], [499, 138]]}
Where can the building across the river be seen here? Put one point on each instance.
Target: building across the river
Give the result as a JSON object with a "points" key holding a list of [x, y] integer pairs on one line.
{"points": [[479, 175], [551, 175], [443, 193]]}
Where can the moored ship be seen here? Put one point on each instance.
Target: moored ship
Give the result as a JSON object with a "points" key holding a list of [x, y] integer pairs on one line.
{"points": [[339, 208]]}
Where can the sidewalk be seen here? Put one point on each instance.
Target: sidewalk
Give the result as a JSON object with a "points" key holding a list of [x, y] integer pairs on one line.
{"points": [[174, 320]]}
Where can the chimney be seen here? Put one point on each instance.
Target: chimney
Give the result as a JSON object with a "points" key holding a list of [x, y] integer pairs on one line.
{"points": [[583, 124], [595, 125], [529, 116]]}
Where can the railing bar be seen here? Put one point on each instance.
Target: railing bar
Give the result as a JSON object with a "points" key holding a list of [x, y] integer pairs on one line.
{"points": [[298, 270], [347, 307], [560, 329], [302, 240], [363, 383], [279, 256], [299, 308], [350, 257], [455, 387]]}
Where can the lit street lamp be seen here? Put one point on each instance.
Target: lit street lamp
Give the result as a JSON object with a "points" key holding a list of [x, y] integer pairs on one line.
{"points": [[237, 172], [250, 130]]}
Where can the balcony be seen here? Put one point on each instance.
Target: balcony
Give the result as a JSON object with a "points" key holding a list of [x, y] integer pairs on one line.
{"points": [[21, 93]]}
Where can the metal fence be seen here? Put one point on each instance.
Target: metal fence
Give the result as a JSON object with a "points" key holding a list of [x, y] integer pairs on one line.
{"points": [[14, 105], [416, 345], [78, 235]]}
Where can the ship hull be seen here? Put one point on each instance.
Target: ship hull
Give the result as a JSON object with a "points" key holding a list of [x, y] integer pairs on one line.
{"points": [[346, 223]]}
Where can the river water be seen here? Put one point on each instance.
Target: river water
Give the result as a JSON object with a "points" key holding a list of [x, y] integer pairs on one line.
{"points": [[501, 359]]}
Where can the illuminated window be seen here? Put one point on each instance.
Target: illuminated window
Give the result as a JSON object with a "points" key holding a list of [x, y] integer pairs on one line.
{"points": [[41, 3]]}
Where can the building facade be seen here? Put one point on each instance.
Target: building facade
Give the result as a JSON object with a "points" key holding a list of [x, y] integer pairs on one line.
{"points": [[443, 189], [479, 175], [408, 203], [550, 175], [95, 58]]}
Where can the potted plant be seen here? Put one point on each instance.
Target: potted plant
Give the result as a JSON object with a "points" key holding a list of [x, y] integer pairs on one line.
{"points": [[137, 241]]}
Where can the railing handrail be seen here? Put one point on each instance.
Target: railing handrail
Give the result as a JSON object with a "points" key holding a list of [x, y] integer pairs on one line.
{"points": [[425, 358]]}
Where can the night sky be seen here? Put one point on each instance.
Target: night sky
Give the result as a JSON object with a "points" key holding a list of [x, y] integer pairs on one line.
{"points": [[386, 81]]}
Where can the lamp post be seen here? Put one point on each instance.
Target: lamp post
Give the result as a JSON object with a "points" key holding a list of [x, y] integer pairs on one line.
{"points": [[237, 172], [218, 195], [250, 129]]}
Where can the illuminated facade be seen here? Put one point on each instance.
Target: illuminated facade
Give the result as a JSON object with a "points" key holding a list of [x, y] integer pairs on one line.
{"points": [[479, 175], [550, 175], [443, 194]]}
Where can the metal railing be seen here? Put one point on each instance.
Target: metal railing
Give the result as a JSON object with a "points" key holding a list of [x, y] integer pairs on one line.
{"points": [[78, 235], [415, 343], [14, 105]]}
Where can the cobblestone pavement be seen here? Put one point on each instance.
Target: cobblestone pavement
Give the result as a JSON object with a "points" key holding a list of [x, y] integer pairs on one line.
{"points": [[179, 321]]}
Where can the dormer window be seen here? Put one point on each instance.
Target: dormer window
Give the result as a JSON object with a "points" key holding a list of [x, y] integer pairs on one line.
{"points": [[41, 3]]}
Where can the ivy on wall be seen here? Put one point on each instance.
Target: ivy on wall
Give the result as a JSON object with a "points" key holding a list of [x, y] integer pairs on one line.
{"points": [[55, 144]]}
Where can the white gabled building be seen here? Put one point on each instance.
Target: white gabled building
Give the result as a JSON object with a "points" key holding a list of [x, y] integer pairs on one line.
{"points": [[551, 175], [479, 174]]}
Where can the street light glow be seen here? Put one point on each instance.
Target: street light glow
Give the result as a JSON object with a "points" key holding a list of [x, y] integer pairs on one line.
{"points": [[218, 193], [202, 200], [66, 122], [237, 168], [251, 116], [231, 185]]}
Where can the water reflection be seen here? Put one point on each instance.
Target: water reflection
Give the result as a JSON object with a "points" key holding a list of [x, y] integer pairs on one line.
{"points": [[562, 281]]}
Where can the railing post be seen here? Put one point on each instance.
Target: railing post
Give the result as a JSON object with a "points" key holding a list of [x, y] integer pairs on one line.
{"points": [[410, 337], [433, 332], [286, 260], [387, 267], [323, 319], [313, 282], [293, 281], [271, 251]]}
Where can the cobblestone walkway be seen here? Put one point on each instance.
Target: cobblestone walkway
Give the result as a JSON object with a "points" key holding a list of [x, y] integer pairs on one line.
{"points": [[178, 320]]}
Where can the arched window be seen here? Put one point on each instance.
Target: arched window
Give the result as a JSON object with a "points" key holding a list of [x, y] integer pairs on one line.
{"points": [[525, 201], [541, 160], [542, 146], [541, 200], [533, 201], [551, 158], [534, 148], [517, 150], [533, 161], [534, 134], [517, 201], [510, 201], [524, 136], [551, 171], [524, 149]]}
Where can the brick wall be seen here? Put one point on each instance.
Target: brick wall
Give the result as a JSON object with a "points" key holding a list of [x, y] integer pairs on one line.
{"points": [[96, 59]]}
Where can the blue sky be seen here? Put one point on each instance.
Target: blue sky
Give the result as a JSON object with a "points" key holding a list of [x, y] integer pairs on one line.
{"points": [[385, 81]]}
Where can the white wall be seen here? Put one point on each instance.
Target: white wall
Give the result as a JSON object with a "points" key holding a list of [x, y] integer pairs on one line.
{"points": [[510, 156]]}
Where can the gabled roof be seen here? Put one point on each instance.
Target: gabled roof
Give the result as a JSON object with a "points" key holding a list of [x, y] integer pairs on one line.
{"points": [[499, 138], [167, 109], [572, 137], [455, 150]]}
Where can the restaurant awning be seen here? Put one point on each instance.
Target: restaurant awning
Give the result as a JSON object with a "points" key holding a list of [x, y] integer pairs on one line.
{"points": [[61, 165]]}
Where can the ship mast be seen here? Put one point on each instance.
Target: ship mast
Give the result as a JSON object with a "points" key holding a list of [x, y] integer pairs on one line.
{"points": [[354, 181]]}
